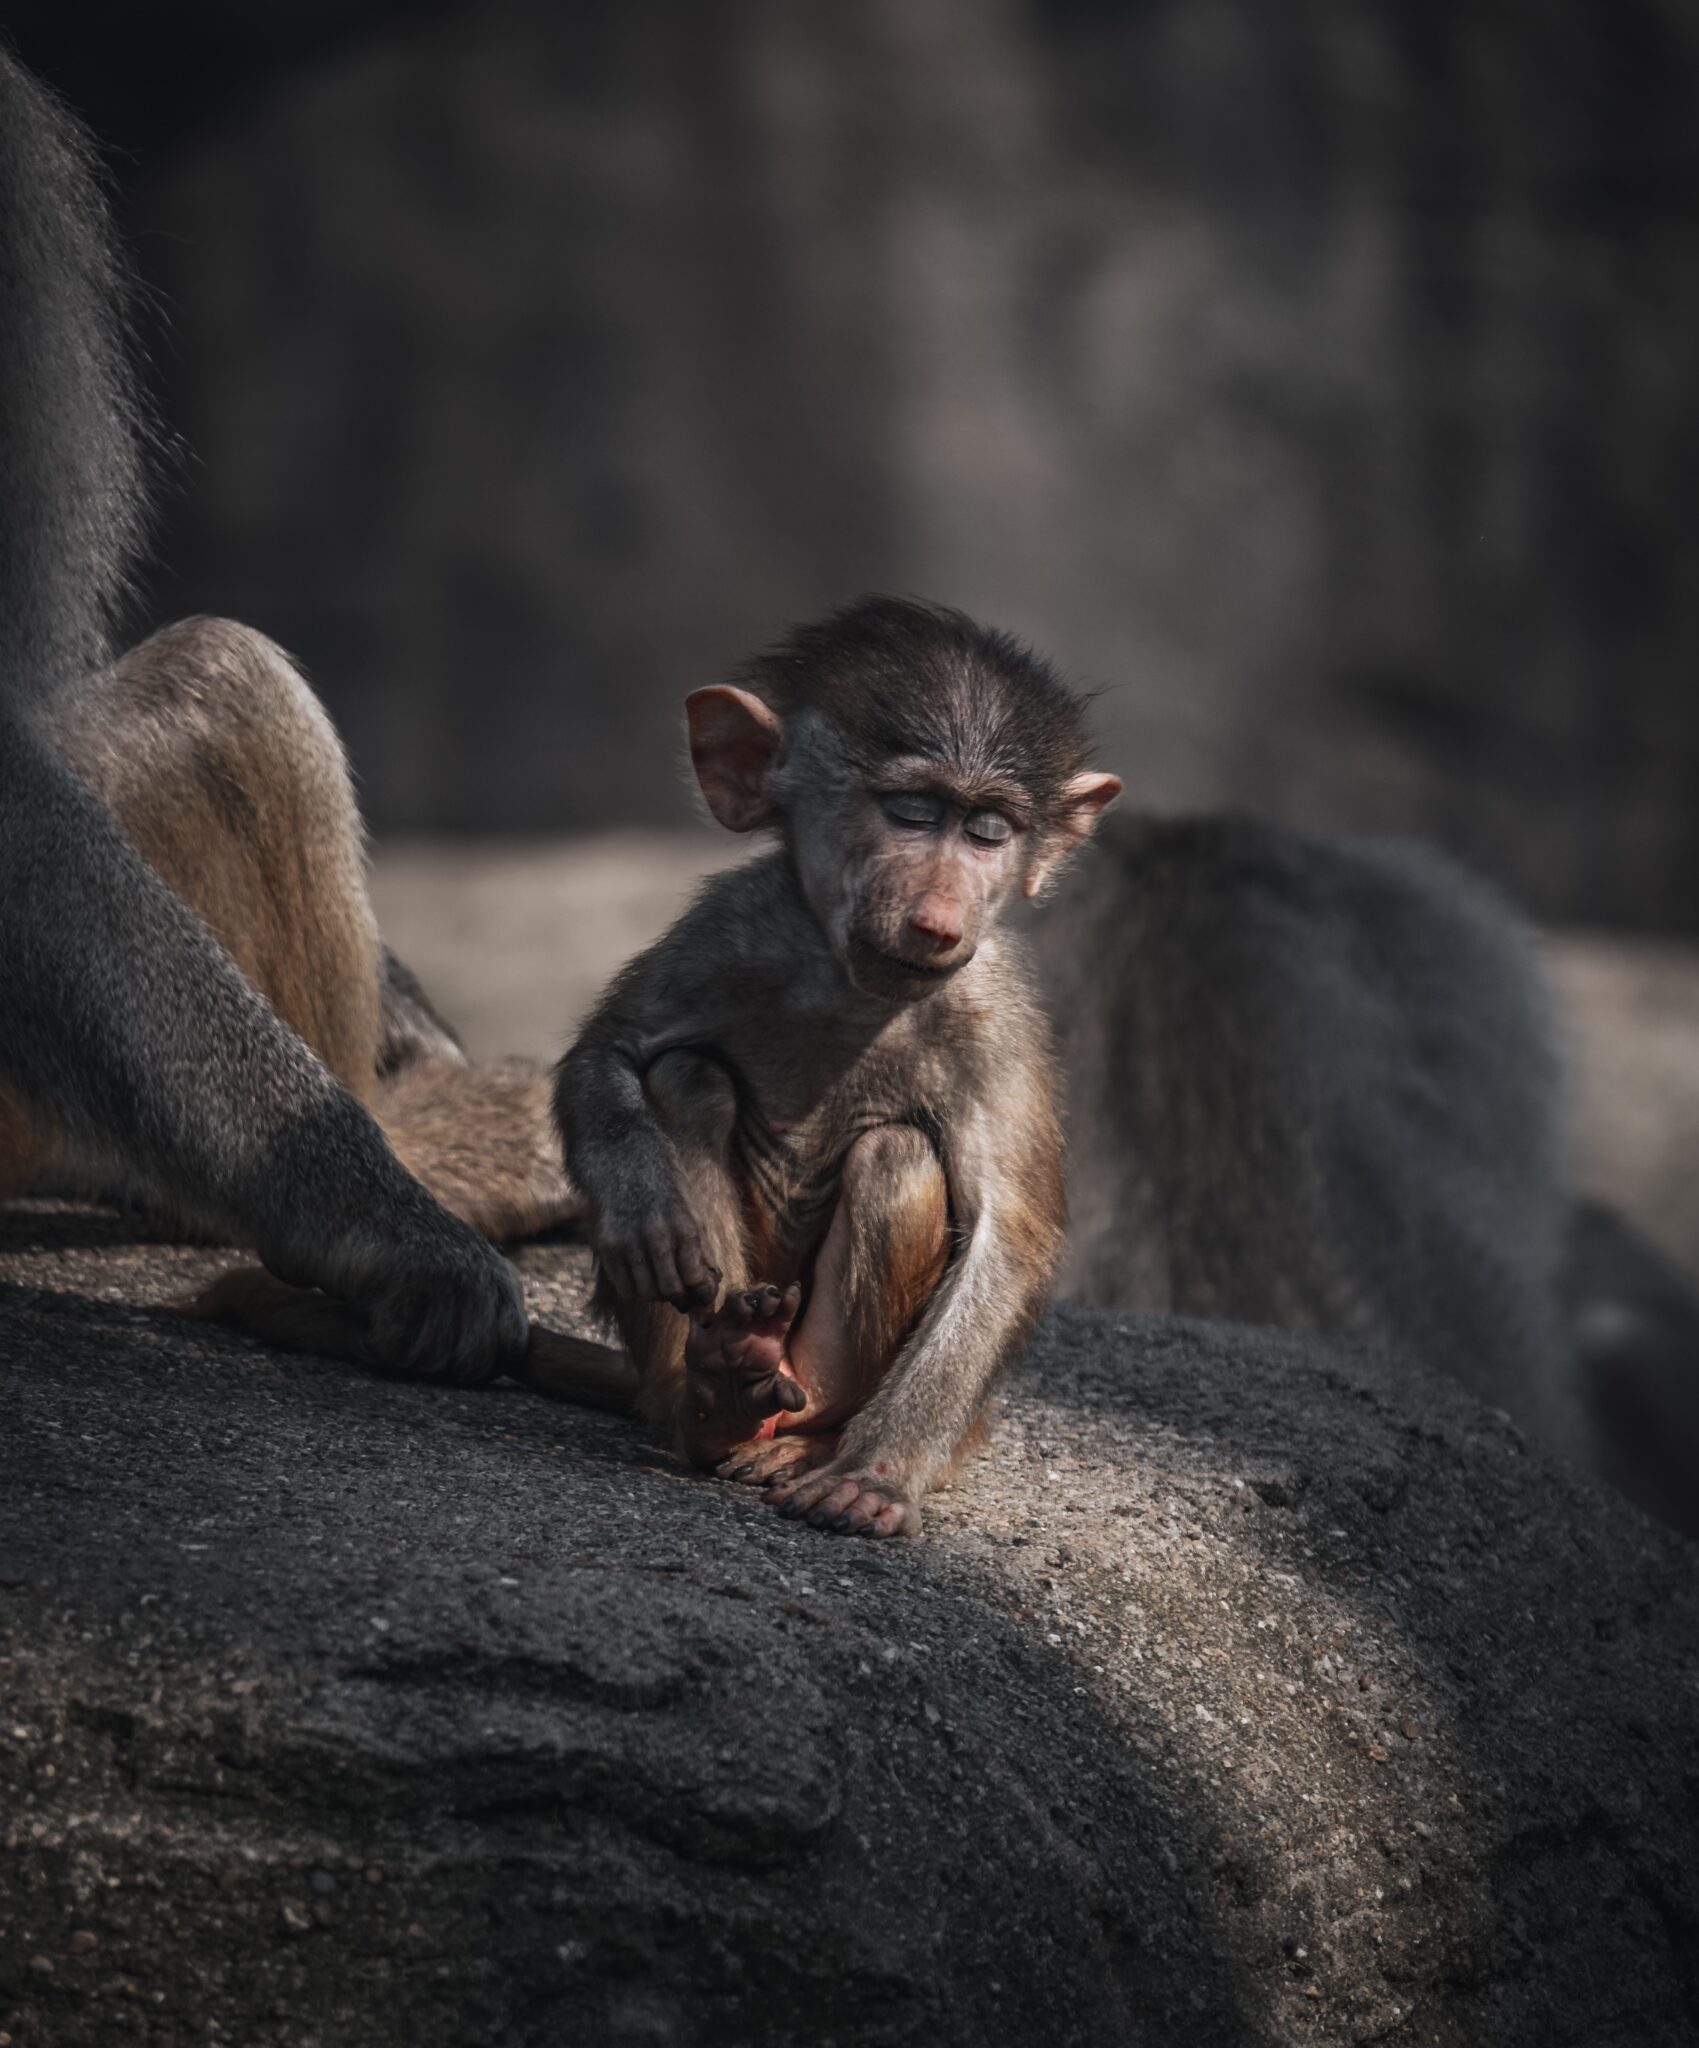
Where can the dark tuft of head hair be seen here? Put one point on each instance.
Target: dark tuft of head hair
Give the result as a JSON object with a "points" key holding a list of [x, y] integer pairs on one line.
{"points": [[897, 676]]}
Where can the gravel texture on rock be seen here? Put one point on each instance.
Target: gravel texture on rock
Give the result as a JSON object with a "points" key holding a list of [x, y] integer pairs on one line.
{"points": [[1243, 1690]]}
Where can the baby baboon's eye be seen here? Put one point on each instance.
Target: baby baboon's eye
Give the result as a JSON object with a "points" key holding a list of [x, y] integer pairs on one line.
{"points": [[910, 807], [990, 828]]}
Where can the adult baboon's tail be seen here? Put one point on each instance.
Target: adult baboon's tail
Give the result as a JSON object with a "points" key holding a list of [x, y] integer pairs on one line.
{"points": [[72, 502], [300, 1319]]}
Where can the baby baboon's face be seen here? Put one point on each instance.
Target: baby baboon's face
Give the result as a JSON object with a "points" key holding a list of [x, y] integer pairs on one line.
{"points": [[906, 846], [917, 866]]}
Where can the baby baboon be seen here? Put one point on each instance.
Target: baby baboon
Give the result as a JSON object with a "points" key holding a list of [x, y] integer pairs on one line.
{"points": [[814, 1123]]}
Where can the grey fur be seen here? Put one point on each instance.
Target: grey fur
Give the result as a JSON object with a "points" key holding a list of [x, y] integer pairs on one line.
{"points": [[120, 1018], [1316, 1085], [412, 1028], [72, 429], [1635, 1319]]}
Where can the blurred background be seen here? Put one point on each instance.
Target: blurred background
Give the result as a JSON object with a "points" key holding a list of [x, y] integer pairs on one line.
{"points": [[1320, 381]]}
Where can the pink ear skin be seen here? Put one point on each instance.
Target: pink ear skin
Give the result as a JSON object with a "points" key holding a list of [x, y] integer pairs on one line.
{"points": [[734, 740], [1087, 796]]}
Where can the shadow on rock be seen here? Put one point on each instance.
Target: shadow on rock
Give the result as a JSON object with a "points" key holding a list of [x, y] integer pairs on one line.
{"points": [[341, 1710], [1247, 1691]]}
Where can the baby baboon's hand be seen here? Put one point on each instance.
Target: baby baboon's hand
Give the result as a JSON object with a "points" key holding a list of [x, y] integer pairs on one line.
{"points": [[655, 1253], [735, 1374]]}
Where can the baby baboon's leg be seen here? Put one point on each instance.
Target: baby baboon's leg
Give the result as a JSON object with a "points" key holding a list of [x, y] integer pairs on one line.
{"points": [[884, 1253], [737, 1377], [695, 1100]]}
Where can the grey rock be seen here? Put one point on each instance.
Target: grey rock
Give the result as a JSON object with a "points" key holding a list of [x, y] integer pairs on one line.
{"points": [[1242, 1691]]}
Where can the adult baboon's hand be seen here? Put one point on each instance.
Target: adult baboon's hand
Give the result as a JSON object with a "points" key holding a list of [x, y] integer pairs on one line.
{"points": [[446, 1306], [439, 1302]]}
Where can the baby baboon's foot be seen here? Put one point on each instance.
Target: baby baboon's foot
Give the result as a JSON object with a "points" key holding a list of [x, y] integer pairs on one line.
{"points": [[856, 1500], [762, 1460], [735, 1374]]}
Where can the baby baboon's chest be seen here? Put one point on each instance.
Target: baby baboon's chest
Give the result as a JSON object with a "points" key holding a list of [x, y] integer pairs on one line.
{"points": [[789, 1145]]}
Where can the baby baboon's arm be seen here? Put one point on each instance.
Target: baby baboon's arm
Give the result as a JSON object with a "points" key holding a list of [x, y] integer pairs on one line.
{"points": [[651, 1242]]}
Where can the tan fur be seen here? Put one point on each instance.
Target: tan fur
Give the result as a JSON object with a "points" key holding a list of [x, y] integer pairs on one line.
{"points": [[870, 1275], [895, 1214], [481, 1139], [221, 768], [288, 1318]]}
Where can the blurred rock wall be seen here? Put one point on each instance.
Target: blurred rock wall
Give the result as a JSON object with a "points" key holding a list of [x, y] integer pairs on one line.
{"points": [[1318, 381]]}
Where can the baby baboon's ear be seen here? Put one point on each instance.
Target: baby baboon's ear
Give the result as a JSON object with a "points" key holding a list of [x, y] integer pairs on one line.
{"points": [[1084, 801], [734, 740]]}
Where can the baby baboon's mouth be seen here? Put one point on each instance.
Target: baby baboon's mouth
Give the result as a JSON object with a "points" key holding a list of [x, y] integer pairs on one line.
{"points": [[887, 974]]}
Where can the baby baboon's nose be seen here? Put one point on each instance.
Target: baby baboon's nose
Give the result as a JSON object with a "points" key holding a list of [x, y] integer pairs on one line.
{"points": [[937, 919]]}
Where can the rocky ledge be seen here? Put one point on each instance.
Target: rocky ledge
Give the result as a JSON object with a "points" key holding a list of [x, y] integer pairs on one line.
{"points": [[1243, 1691]]}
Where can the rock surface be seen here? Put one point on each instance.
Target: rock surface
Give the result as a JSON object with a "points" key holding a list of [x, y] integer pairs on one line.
{"points": [[1242, 1691]]}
